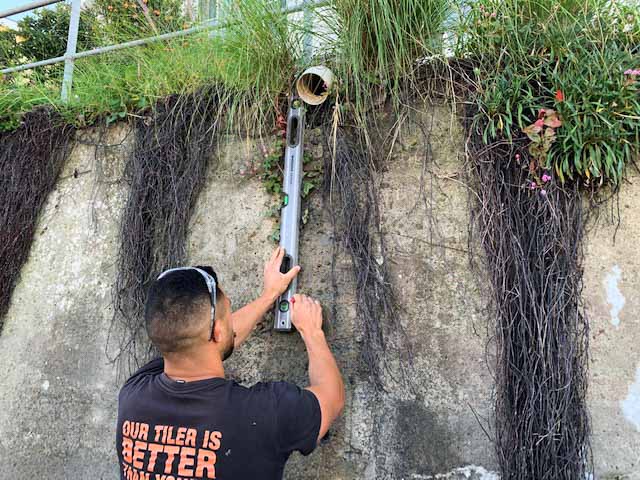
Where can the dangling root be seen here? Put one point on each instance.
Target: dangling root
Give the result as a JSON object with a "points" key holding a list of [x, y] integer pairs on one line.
{"points": [[31, 159], [350, 184], [166, 172], [533, 246]]}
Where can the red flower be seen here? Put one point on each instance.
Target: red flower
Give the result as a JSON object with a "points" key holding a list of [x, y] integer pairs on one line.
{"points": [[559, 95]]}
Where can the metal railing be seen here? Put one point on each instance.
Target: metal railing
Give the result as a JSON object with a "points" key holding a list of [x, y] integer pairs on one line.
{"points": [[27, 7], [71, 55]]}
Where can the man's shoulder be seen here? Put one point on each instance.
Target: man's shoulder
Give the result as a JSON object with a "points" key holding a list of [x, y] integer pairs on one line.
{"points": [[151, 369], [273, 387], [154, 367], [275, 392]]}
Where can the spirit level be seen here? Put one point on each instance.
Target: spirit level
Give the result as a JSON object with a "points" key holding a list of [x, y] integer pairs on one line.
{"points": [[290, 209]]}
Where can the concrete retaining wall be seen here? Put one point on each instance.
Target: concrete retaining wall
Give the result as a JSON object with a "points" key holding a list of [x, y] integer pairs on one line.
{"points": [[58, 391]]}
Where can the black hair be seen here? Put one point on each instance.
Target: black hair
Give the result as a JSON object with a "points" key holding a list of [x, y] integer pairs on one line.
{"points": [[175, 308]]}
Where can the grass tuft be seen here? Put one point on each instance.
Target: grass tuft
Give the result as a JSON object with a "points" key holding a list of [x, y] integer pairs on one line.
{"points": [[379, 44]]}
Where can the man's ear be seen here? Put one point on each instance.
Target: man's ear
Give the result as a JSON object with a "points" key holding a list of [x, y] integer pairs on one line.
{"points": [[218, 331]]}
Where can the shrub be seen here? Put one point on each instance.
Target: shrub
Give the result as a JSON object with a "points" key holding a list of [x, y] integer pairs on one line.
{"points": [[569, 56]]}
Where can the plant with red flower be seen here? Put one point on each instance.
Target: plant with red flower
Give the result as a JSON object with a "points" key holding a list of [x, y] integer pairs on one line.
{"points": [[542, 134]]}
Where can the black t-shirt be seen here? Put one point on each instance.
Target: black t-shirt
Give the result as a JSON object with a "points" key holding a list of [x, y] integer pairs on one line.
{"points": [[213, 428]]}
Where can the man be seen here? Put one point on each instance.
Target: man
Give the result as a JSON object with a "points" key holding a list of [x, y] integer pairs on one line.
{"points": [[178, 418]]}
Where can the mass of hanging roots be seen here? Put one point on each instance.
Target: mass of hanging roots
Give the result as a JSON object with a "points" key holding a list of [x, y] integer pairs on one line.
{"points": [[165, 173], [353, 199], [533, 248], [31, 158]]}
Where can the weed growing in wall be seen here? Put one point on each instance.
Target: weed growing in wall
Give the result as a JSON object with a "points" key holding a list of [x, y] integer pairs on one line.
{"points": [[269, 168]]}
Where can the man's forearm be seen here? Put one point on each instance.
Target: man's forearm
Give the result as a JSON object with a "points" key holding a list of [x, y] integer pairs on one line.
{"points": [[323, 369], [324, 376], [245, 319]]}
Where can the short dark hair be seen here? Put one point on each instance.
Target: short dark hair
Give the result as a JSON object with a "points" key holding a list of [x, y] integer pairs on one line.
{"points": [[173, 311]]}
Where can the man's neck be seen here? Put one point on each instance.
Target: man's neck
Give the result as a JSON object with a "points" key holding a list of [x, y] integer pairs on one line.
{"points": [[193, 366]]}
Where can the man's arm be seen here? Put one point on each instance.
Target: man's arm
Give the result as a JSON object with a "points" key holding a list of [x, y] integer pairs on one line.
{"points": [[245, 319], [324, 376], [275, 283]]}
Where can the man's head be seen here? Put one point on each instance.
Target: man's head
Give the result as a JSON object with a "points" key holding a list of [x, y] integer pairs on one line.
{"points": [[178, 313]]}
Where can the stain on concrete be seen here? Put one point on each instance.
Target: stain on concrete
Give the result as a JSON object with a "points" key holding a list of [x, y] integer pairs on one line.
{"points": [[614, 352], [614, 295], [425, 444], [631, 404]]}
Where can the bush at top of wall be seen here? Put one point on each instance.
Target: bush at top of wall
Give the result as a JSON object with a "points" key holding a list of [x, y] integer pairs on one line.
{"points": [[575, 60]]}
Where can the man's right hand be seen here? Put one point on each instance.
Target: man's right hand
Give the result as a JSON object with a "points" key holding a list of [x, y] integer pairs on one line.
{"points": [[306, 314], [275, 283]]}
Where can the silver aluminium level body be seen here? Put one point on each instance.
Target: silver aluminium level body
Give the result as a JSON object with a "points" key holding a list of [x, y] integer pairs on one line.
{"points": [[290, 212]]}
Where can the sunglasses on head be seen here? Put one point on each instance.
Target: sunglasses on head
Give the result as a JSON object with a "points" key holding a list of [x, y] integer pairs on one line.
{"points": [[211, 281]]}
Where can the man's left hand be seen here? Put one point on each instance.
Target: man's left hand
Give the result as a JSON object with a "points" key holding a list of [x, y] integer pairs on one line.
{"points": [[275, 283]]}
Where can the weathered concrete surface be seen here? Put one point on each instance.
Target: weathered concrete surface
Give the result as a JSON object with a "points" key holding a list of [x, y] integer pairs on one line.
{"points": [[396, 434], [58, 392], [612, 293]]}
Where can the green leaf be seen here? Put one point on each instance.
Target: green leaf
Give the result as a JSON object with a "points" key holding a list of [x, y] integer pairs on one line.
{"points": [[306, 188]]}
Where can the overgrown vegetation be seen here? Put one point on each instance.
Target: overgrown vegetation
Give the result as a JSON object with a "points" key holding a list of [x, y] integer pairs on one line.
{"points": [[8, 47], [254, 60], [31, 159], [380, 44], [533, 256], [132, 19], [553, 88], [552, 108], [575, 57], [43, 35], [350, 180]]}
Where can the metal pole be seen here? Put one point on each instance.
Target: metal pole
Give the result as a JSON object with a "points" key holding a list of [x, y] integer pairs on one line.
{"points": [[143, 41], [307, 40], [28, 6], [72, 41]]}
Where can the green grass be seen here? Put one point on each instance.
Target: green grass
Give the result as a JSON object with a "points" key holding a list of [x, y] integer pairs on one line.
{"points": [[569, 56], [17, 96], [524, 52], [374, 47], [253, 63], [379, 42]]}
